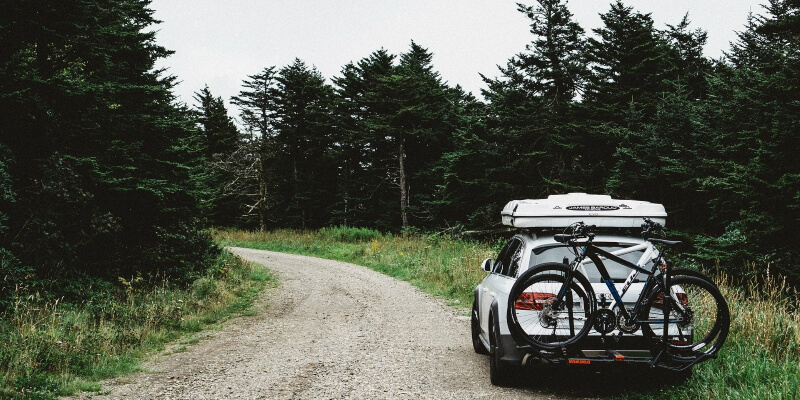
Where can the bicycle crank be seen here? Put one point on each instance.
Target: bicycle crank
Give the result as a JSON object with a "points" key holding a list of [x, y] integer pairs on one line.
{"points": [[604, 321]]}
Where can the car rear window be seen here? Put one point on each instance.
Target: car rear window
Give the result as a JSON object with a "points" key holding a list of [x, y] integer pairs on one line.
{"points": [[557, 253]]}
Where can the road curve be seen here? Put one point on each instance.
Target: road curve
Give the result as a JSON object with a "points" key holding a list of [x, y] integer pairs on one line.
{"points": [[330, 330]]}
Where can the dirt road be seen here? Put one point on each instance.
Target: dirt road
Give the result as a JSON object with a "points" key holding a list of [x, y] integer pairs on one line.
{"points": [[329, 331]]}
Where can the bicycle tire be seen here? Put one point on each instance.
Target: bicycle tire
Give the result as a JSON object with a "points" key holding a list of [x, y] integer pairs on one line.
{"points": [[701, 315], [533, 321], [676, 272]]}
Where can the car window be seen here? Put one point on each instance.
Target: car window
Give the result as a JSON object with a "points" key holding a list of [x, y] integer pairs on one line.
{"points": [[513, 267], [508, 259], [615, 270]]}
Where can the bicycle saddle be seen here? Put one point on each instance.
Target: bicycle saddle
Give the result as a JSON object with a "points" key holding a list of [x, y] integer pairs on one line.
{"points": [[562, 238], [668, 243]]}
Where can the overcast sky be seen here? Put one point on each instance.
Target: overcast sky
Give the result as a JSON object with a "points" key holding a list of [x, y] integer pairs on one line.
{"points": [[221, 42]]}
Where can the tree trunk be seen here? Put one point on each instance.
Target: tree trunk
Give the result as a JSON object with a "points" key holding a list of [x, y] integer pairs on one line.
{"points": [[402, 177], [262, 201]]}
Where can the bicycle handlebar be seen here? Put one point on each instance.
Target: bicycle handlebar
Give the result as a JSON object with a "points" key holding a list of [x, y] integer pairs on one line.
{"points": [[579, 230], [649, 225]]}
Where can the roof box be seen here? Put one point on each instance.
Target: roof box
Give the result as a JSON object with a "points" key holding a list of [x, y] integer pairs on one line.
{"points": [[562, 210]]}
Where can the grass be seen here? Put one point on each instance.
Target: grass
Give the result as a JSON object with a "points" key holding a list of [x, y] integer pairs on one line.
{"points": [[760, 360], [58, 349], [437, 265]]}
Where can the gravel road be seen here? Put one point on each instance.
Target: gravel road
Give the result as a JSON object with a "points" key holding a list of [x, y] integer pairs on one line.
{"points": [[330, 330]]}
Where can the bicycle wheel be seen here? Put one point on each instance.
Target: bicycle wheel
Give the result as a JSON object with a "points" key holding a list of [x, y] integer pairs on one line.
{"points": [[699, 318], [676, 272], [537, 317]]}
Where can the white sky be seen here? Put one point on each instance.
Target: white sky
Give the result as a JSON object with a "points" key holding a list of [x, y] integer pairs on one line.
{"points": [[221, 42]]}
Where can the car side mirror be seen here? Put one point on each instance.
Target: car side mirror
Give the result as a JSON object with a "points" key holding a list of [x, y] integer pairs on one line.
{"points": [[488, 265]]}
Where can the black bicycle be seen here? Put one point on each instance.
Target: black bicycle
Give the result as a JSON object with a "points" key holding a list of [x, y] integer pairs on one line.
{"points": [[683, 315]]}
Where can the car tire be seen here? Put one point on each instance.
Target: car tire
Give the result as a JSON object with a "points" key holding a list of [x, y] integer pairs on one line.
{"points": [[499, 371], [475, 325]]}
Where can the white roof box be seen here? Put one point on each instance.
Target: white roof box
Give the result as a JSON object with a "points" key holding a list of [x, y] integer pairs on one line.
{"points": [[562, 210]]}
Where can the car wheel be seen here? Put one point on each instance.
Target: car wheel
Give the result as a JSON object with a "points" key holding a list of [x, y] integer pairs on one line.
{"points": [[499, 371], [475, 324]]}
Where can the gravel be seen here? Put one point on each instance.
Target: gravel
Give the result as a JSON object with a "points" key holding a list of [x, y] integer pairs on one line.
{"points": [[329, 330]]}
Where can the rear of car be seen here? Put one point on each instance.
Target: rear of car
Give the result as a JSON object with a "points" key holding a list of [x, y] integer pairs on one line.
{"points": [[545, 249], [537, 221], [526, 250]]}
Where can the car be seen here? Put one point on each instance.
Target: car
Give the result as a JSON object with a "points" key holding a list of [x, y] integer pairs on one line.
{"points": [[536, 222]]}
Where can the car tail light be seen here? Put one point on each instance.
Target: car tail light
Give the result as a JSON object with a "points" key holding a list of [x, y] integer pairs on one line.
{"points": [[659, 300], [532, 301]]}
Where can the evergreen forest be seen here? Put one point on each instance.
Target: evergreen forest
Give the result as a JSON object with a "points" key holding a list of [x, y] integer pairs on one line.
{"points": [[104, 174]]}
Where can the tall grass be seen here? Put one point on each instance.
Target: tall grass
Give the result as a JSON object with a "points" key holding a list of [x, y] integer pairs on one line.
{"points": [[55, 349], [438, 265], [760, 360]]}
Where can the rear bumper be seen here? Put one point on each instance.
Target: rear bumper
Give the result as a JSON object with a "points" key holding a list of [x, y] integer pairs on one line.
{"points": [[591, 350]]}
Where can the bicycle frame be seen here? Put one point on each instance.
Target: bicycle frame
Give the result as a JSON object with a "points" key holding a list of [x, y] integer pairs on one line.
{"points": [[594, 254]]}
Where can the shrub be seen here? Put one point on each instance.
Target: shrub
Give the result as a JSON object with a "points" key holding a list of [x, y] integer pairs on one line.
{"points": [[349, 235]]}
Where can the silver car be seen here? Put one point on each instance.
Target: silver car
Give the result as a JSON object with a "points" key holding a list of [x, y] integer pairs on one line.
{"points": [[490, 333]]}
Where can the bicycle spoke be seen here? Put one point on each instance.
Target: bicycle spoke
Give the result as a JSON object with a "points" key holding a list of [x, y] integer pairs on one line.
{"points": [[539, 317], [698, 320]]}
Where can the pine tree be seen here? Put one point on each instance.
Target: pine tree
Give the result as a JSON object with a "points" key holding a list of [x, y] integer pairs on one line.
{"points": [[473, 179], [532, 105], [658, 156], [253, 178], [422, 131], [220, 139], [753, 106], [401, 118], [691, 67], [304, 140], [103, 156], [349, 150], [786, 21], [256, 103], [364, 91], [221, 134], [661, 160], [553, 64], [629, 64]]}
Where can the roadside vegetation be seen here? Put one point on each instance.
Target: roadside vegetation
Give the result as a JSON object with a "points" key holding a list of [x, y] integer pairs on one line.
{"points": [[760, 360], [52, 349], [438, 265]]}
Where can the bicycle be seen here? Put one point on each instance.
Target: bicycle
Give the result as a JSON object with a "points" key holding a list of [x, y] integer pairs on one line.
{"points": [[552, 306]]}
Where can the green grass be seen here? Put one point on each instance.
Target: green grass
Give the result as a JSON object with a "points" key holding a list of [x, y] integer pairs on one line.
{"points": [[437, 265], [760, 360], [59, 349]]}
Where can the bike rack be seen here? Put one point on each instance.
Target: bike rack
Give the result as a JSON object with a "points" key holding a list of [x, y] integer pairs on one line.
{"points": [[570, 355], [676, 365]]}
